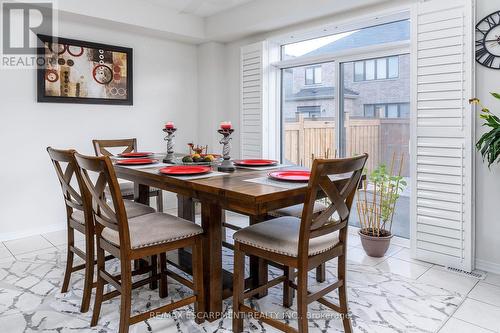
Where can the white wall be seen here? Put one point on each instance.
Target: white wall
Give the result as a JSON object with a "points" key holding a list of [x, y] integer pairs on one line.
{"points": [[165, 88], [212, 100], [487, 181]]}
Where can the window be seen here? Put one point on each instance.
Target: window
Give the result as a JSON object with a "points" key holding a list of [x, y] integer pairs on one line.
{"points": [[369, 111], [313, 75], [376, 69], [381, 69], [393, 111], [380, 110], [309, 111], [388, 110], [393, 67], [359, 71], [369, 70]]}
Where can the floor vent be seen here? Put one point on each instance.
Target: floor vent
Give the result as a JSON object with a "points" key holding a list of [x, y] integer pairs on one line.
{"points": [[480, 275]]}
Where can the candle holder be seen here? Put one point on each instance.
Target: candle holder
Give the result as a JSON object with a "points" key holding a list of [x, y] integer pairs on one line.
{"points": [[226, 164], [170, 144]]}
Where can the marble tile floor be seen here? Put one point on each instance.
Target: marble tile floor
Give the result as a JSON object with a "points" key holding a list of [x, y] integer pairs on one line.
{"points": [[390, 294]]}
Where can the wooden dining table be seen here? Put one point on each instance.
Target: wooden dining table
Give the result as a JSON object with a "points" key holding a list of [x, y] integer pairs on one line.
{"points": [[232, 192]]}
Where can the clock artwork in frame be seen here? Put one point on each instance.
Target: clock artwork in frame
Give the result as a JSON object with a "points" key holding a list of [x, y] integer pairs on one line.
{"points": [[488, 41]]}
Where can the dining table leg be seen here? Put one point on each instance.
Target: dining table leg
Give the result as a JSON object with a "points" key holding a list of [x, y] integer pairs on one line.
{"points": [[185, 207], [141, 195], [258, 266], [211, 222]]}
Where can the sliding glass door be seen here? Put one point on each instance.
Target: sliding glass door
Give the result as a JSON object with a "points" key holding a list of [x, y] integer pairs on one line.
{"points": [[375, 118], [347, 94]]}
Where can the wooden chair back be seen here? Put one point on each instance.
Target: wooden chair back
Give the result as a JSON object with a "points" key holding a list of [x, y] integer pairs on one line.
{"points": [[324, 178], [100, 146], [65, 166], [97, 173]]}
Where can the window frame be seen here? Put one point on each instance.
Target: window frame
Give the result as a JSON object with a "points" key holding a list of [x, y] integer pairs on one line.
{"points": [[386, 113], [375, 66], [309, 112]]}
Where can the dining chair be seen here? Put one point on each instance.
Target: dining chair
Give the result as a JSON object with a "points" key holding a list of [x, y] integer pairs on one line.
{"points": [[79, 218], [101, 148], [296, 210], [133, 239], [301, 244]]}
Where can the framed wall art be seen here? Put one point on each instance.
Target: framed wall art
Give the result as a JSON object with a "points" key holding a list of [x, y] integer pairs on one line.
{"points": [[74, 71]]}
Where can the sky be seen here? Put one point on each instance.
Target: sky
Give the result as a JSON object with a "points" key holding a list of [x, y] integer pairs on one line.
{"points": [[301, 48]]}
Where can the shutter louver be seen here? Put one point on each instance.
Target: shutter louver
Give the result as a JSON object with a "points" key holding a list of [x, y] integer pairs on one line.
{"points": [[442, 130], [252, 104]]}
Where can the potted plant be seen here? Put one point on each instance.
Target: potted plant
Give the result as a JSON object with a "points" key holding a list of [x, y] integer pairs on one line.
{"points": [[376, 203], [489, 143]]}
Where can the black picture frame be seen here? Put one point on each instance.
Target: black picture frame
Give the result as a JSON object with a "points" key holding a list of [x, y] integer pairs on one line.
{"points": [[43, 98]]}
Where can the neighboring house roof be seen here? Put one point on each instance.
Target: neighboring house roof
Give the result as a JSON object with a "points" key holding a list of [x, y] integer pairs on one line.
{"points": [[380, 34], [313, 93]]}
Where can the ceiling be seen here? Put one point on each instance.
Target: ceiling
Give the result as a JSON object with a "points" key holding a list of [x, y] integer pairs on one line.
{"points": [[201, 8]]}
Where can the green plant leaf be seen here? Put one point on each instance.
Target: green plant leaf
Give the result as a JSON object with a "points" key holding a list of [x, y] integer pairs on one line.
{"points": [[496, 95]]}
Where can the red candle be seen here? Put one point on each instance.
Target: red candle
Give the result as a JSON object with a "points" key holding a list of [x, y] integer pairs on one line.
{"points": [[169, 125], [225, 125]]}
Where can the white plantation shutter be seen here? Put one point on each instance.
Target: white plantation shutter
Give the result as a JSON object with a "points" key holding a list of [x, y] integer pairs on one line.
{"points": [[442, 127], [254, 89]]}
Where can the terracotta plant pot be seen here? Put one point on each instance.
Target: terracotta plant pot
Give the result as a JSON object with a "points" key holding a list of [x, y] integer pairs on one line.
{"points": [[375, 246]]}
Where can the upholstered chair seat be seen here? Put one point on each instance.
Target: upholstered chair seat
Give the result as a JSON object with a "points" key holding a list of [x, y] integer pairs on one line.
{"points": [[281, 235], [153, 229], [133, 209], [127, 189], [296, 210]]}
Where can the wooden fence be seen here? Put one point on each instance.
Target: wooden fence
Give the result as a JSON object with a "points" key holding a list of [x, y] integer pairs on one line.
{"points": [[380, 138]]}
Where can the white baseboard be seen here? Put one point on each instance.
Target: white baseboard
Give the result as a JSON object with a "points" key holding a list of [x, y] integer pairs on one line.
{"points": [[6, 236], [487, 266]]}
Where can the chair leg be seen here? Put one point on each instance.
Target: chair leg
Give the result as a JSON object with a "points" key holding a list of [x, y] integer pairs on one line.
{"points": [[159, 201], [287, 290], [321, 273], [125, 296], [238, 282], [163, 275], [69, 260], [99, 290], [341, 273], [223, 220], [303, 323], [67, 273], [199, 305], [89, 273], [153, 261]]}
